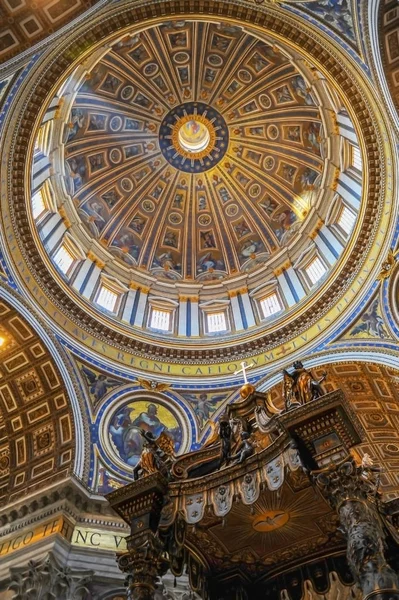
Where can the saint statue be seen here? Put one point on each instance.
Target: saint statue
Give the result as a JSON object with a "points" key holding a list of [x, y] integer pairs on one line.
{"points": [[300, 387]]}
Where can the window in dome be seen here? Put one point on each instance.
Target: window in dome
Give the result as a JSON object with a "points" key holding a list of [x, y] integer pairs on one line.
{"points": [[315, 270], [270, 305], [160, 319], [42, 140], [38, 204], [107, 299], [216, 322], [346, 219], [63, 259], [356, 158]]}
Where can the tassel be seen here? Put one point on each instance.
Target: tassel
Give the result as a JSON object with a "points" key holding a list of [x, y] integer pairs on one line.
{"points": [[175, 583]]}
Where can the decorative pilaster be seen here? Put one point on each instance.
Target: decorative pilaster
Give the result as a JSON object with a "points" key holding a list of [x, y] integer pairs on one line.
{"points": [[350, 190], [130, 304], [182, 325], [235, 308], [52, 231], [194, 316], [290, 284], [141, 306], [353, 492], [93, 276]]}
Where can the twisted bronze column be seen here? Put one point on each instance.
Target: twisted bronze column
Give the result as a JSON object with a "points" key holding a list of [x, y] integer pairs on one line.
{"points": [[143, 564], [146, 559], [353, 492]]}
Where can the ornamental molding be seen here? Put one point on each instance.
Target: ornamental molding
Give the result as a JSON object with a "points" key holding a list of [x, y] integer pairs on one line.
{"points": [[68, 496]]}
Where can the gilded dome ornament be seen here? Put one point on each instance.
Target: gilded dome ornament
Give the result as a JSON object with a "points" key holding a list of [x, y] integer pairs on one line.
{"points": [[387, 266]]}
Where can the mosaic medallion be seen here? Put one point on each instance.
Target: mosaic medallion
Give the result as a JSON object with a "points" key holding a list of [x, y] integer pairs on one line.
{"points": [[125, 439], [193, 137]]}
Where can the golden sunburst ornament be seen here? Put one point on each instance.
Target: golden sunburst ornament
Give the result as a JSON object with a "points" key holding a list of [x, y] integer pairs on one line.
{"points": [[273, 522]]}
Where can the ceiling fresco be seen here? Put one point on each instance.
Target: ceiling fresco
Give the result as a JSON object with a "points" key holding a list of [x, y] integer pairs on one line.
{"points": [[155, 205], [338, 15], [370, 325], [97, 384]]}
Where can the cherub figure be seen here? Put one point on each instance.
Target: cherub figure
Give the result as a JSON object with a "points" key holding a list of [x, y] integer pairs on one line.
{"points": [[372, 325], [205, 406], [246, 449], [98, 383], [370, 472]]}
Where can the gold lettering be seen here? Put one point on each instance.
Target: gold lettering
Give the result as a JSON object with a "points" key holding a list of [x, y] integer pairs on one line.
{"points": [[7, 549]]}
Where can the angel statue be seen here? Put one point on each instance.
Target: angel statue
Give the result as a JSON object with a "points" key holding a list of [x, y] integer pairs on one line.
{"points": [[300, 387], [150, 461], [155, 456]]}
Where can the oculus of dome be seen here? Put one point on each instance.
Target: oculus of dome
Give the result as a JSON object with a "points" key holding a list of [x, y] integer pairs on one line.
{"points": [[193, 137]]}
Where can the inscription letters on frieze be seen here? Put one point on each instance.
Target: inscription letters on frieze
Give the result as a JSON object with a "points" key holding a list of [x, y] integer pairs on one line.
{"points": [[77, 536]]}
